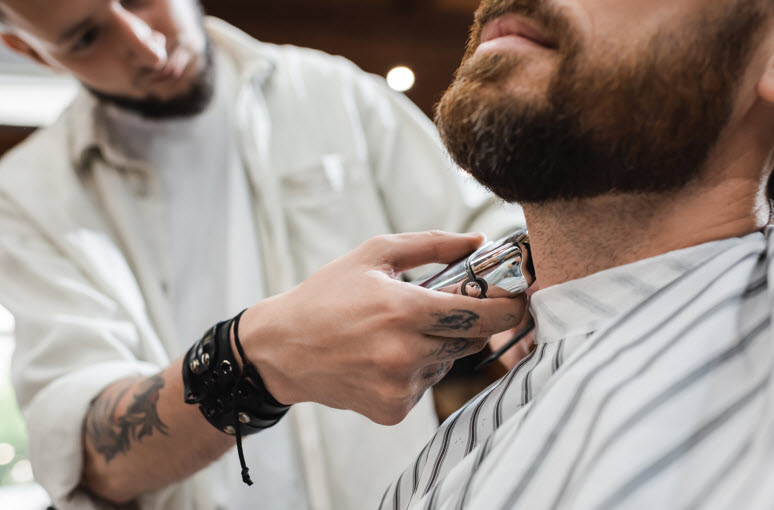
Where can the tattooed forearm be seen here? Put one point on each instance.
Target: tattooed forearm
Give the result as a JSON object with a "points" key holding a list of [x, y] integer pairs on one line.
{"points": [[456, 320], [112, 433]]}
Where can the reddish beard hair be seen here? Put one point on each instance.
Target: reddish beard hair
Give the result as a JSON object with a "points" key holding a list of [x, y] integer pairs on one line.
{"points": [[639, 122]]}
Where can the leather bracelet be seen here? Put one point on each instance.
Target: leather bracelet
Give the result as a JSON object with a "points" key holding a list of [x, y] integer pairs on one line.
{"points": [[234, 401]]}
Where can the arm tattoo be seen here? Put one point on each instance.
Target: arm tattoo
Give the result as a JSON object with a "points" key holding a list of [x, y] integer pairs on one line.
{"points": [[111, 434], [456, 320]]}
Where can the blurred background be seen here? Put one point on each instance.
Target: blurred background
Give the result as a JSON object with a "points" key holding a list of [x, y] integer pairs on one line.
{"points": [[426, 37], [416, 44]]}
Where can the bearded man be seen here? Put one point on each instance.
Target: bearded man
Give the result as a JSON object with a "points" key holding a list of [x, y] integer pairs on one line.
{"points": [[638, 137], [201, 172]]}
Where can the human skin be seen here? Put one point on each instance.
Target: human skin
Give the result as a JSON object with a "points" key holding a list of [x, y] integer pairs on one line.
{"points": [[138, 49], [727, 200], [573, 238], [374, 349]]}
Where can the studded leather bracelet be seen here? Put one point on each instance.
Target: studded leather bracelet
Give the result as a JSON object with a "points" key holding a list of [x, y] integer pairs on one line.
{"points": [[234, 401]]}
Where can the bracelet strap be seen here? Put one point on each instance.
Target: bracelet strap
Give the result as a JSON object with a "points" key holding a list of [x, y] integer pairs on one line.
{"points": [[234, 401]]}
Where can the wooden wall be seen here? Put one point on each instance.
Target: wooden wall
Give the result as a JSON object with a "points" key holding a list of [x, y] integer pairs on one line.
{"points": [[429, 37]]}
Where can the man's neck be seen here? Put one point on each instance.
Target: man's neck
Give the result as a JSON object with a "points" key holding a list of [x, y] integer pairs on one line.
{"points": [[573, 239]]}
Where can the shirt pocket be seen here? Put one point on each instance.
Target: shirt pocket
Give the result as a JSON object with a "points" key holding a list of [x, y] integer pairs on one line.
{"points": [[322, 180], [331, 206]]}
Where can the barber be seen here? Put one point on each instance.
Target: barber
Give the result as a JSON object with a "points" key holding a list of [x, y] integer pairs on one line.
{"points": [[351, 336], [197, 173]]}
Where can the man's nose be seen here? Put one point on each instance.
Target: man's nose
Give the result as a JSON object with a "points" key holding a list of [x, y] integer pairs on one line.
{"points": [[141, 43]]}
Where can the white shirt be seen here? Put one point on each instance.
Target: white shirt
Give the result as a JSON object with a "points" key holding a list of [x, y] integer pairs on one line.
{"points": [[208, 247], [648, 387], [210, 251]]}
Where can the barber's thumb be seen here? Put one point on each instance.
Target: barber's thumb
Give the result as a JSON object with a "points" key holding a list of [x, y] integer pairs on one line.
{"points": [[406, 251]]}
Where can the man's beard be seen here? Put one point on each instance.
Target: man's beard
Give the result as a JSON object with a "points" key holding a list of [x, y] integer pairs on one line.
{"points": [[641, 124], [187, 104]]}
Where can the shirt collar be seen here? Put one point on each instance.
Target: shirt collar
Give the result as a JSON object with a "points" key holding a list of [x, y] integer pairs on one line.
{"points": [[581, 307]]}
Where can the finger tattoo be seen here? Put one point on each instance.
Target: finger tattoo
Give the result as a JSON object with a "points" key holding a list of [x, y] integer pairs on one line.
{"points": [[456, 320], [433, 372], [453, 348]]}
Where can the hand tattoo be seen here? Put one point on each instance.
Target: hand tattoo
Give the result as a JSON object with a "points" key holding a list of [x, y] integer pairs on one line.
{"points": [[434, 371], [112, 434], [453, 348], [456, 320]]}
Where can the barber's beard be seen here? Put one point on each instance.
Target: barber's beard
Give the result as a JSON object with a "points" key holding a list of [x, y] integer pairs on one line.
{"points": [[189, 103], [637, 124]]}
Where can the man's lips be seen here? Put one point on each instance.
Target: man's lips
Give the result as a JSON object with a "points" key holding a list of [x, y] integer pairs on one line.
{"points": [[518, 29]]}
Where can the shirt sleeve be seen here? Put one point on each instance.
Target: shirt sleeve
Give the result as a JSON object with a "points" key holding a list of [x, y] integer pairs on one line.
{"points": [[71, 342]]}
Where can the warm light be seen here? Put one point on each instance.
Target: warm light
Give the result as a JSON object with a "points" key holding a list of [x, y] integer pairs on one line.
{"points": [[400, 79], [7, 453], [22, 472]]}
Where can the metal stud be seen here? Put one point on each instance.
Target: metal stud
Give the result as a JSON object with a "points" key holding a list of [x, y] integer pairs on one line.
{"points": [[225, 365], [244, 418], [206, 359], [229, 429], [194, 366], [473, 289]]}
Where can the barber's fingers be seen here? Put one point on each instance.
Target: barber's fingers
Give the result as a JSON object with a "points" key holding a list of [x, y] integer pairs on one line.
{"points": [[401, 252], [447, 350], [432, 374], [455, 316]]}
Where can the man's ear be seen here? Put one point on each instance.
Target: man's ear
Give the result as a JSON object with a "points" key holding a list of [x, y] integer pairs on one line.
{"points": [[17, 44], [766, 82]]}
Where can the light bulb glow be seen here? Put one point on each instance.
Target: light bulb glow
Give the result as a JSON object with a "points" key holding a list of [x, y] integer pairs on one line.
{"points": [[401, 78]]}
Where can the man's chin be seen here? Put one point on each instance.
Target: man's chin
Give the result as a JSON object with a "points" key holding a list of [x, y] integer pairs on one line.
{"points": [[187, 104]]}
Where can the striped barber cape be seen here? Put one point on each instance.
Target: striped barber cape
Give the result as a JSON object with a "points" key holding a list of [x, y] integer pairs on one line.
{"points": [[649, 387]]}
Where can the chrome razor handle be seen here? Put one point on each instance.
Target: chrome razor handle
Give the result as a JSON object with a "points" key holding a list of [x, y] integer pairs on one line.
{"points": [[497, 269]]}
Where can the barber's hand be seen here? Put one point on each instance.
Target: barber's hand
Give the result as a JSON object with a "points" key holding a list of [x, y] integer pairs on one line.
{"points": [[353, 337], [521, 350]]}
